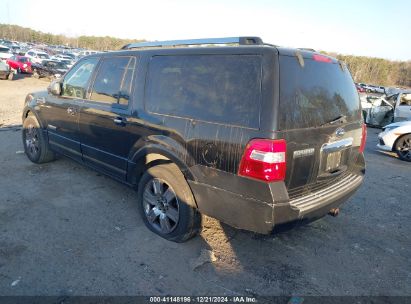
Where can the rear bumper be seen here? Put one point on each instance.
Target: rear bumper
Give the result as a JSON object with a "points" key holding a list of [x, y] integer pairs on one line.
{"points": [[265, 217]]}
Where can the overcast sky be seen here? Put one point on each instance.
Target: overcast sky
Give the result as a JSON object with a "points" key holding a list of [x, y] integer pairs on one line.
{"points": [[379, 28]]}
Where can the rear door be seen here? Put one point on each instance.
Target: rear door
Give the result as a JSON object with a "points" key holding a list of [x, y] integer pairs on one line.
{"points": [[320, 117], [106, 137]]}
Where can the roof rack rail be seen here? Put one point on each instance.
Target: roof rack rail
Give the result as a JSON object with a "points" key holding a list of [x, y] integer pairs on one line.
{"points": [[307, 49], [206, 41]]}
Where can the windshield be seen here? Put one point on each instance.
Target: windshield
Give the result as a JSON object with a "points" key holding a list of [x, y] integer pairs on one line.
{"points": [[23, 59], [43, 56], [315, 94]]}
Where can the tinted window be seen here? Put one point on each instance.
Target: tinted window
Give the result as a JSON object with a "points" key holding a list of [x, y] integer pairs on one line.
{"points": [[76, 81], [113, 80], [315, 94], [5, 50], [217, 88]]}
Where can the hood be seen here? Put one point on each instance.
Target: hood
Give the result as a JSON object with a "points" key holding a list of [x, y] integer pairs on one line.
{"points": [[399, 124]]}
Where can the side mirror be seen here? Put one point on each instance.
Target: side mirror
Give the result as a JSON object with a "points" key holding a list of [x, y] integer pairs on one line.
{"points": [[55, 88]]}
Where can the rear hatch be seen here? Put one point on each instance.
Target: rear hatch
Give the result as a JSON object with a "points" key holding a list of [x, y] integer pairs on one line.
{"points": [[320, 118]]}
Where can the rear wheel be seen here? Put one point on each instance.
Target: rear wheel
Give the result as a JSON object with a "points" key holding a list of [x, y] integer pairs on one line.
{"points": [[403, 147], [35, 143], [36, 74], [165, 201]]}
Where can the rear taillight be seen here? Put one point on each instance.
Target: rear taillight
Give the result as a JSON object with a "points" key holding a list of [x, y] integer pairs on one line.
{"points": [[363, 137], [264, 159], [321, 58]]}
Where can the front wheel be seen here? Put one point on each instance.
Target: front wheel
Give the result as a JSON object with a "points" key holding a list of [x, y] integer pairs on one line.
{"points": [[165, 203], [403, 147], [35, 143]]}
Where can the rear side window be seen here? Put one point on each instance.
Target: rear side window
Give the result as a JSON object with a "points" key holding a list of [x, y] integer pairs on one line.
{"points": [[315, 94], [215, 88], [113, 80]]}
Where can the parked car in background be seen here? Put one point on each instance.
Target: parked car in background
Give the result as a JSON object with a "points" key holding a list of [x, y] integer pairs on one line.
{"points": [[68, 63], [396, 137], [5, 72], [61, 57], [37, 56], [403, 106], [369, 88], [87, 52], [49, 68], [21, 64], [380, 111], [360, 89], [202, 130], [379, 89], [5, 52]]}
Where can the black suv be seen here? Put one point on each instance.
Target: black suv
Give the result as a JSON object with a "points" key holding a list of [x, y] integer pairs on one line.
{"points": [[255, 135]]}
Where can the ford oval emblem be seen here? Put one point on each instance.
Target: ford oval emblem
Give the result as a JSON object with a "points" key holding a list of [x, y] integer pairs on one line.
{"points": [[339, 132]]}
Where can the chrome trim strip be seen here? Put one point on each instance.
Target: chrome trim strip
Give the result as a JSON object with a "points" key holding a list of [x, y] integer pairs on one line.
{"points": [[337, 145]]}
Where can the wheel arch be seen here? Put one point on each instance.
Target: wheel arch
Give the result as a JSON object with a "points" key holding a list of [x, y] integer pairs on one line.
{"points": [[151, 155], [396, 141]]}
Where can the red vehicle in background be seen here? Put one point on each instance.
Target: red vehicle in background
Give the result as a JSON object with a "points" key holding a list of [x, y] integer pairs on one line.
{"points": [[20, 63], [360, 89]]}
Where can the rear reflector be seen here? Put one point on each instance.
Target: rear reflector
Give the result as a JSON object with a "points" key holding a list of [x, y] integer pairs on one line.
{"points": [[363, 137], [322, 58], [264, 159]]}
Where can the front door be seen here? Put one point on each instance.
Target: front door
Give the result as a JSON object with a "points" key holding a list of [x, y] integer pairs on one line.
{"points": [[106, 137], [61, 113]]}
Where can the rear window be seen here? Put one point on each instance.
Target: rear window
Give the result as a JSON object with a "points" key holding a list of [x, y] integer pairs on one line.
{"points": [[213, 88], [315, 94]]}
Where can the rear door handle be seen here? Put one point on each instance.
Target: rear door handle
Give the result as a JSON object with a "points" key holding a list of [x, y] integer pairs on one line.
{"points": [[120, 121], [71, 111]]}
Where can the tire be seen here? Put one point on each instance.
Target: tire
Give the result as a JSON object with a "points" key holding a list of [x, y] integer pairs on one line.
{"points": [[35, 74], [165, 200], [18, 71], [35, 143], [403, 147]]}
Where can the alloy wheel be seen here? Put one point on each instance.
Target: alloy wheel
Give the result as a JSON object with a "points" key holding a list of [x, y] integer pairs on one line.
{"points": [[161, 205], [404, 148], [32, 141]]}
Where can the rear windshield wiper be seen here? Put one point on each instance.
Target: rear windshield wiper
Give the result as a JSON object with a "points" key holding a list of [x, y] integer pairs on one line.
{"points": [[340, 119]]}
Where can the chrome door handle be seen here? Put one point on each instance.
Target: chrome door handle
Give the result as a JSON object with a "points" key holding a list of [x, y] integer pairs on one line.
{"points": [[71, 111], [120, 121], [41, 100]]}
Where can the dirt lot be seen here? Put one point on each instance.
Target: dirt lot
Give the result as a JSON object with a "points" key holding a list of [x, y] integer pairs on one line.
{"points": [[67, 230]]}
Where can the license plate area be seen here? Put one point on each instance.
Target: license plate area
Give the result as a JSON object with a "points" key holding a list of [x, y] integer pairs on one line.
{"points": [[333, 161]]}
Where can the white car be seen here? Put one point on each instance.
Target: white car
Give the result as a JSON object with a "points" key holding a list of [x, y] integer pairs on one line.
{"points": [[5, 52], [396, 137], [37, 56]]}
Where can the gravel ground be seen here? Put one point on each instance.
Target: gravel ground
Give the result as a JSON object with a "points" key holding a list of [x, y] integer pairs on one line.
{"points": [[68, 230]]}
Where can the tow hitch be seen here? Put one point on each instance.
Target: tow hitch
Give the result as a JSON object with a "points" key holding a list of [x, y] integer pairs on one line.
{"points": [[334, 212]]}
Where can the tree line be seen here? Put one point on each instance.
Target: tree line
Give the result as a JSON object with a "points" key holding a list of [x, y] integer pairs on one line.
{"points": [[23, 34], [377, 71], [363, 69]]}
